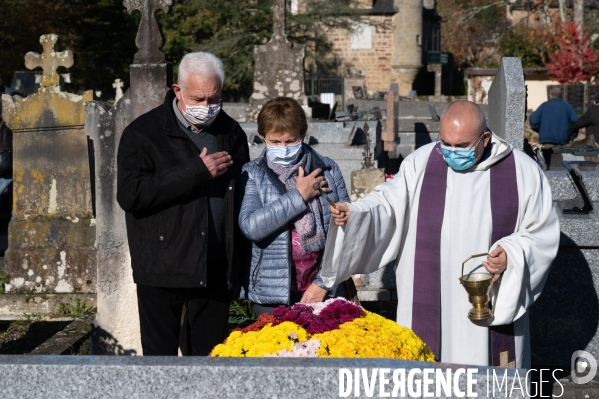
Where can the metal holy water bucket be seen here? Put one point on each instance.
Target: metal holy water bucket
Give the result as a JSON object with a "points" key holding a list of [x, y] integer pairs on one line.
{"points": [[477, 286]]}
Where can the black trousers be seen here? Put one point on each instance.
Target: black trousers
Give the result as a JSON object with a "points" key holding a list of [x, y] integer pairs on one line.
{"points": [[160, 311]]}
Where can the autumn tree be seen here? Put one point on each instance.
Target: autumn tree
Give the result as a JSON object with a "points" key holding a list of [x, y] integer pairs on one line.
{"points": [[471, 30], [575, 60]]}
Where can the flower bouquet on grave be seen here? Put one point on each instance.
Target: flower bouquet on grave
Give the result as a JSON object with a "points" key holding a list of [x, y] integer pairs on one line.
{"points": [[335, 328]]}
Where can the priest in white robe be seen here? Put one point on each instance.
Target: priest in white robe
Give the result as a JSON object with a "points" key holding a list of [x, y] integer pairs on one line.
{"points": [[456, 221]]}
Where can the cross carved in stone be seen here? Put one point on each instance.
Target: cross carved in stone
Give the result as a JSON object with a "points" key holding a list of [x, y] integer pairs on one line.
{"points": [[278, 18], [118, 85], [49, 60], [149, 38]]}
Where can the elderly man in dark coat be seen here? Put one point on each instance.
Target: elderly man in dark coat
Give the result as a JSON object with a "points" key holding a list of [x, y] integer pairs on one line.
{"points": [[177, 171]]}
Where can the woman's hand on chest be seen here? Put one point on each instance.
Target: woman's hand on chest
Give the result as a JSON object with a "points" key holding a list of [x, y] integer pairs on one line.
{"points": [[305, 184]]}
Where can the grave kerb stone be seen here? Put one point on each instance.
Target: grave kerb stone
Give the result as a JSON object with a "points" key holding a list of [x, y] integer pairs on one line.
{"points": [[251, 378]]}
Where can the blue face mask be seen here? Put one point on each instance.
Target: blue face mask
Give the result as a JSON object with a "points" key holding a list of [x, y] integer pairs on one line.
{"points": [[460, 158], [283, 155]]}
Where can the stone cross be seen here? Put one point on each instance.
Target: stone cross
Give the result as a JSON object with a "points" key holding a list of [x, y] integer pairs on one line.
{"points": [[149, 39], [367, 164], [118, 85], [278, 67], [278, 19], [49, 60]]}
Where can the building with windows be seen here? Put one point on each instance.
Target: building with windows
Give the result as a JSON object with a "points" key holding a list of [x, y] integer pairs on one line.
{"points": [[396, 40]]}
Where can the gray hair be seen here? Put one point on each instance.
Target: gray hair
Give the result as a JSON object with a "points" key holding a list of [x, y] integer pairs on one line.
{"points": [[555, 92], [203, 64], [481, 115]]}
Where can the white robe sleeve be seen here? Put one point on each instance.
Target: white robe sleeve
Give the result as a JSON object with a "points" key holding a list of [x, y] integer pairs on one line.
{"points": [[530, 250], [372, 236]]}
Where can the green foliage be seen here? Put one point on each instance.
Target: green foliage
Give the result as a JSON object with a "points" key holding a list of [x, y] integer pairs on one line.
{"points": [[33, 317], [2, 281], [241, 311], [532, 46], [75, 310], [230, 29]]}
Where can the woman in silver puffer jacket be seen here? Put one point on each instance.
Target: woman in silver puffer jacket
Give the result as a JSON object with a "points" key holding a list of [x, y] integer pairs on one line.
{"points": [[283, 215]]}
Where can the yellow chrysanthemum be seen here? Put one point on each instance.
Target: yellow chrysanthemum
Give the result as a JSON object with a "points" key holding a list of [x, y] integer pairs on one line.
{"points": [[368, 336]]}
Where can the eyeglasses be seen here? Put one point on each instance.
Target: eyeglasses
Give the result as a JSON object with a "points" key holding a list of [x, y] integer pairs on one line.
{"points": [[482, 134]]}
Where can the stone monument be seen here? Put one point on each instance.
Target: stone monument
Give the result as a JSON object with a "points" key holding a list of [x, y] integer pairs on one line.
{"points": [[278, 67], [51, 237], [507, 102], [388, 135], [116, 328]]}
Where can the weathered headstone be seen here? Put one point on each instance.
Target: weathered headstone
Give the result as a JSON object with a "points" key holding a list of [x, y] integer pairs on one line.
{"points": [[118, 85], [278, 66], [52, 234], [507, 102], [116, 328]]}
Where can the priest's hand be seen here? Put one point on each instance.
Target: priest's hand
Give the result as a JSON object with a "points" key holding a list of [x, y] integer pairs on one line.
{"points": [[340, 213], [496, 262], [313, 294]]}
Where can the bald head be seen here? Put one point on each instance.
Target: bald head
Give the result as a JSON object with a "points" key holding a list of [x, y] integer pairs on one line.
{"points": [[461, 124]]}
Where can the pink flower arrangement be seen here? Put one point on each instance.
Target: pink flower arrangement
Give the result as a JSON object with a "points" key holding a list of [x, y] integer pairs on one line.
{"points": [[321, 317]]}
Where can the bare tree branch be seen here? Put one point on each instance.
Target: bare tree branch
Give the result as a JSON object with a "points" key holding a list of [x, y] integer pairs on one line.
{"points": [[469, 13]]}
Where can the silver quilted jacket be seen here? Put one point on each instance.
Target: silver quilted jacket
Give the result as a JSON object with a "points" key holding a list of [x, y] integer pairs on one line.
{"points": [[267, 212]]}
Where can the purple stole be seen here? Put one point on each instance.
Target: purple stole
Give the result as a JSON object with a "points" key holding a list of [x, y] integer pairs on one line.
{"points": [[426, 305]]}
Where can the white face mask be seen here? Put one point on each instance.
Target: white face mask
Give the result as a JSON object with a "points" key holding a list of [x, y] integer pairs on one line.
{"points": [[201, 115], [283, 155]]}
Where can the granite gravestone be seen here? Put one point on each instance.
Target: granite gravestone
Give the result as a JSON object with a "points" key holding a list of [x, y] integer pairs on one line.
{"points": [[278, 67], [565, 317], [116, 328], [507, 102], [52, 234]]}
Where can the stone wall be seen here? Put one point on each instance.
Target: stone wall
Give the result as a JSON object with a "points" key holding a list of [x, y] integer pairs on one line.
{"points": [[375, 62]]}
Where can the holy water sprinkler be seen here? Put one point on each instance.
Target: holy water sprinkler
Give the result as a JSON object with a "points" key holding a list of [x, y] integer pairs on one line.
{"points": [[477, 286], [316, 186]]}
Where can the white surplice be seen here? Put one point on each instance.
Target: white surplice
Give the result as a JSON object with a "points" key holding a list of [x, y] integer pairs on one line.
{"points": [[381, 228]]}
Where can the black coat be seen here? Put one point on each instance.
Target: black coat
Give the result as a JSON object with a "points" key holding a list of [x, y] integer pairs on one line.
{"points": [[590, 120], [161, 187]]}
